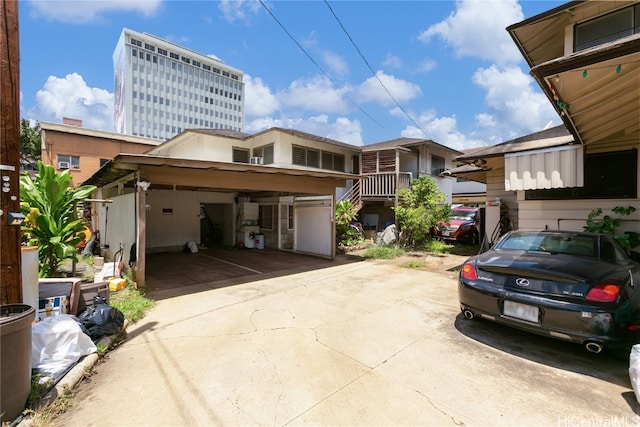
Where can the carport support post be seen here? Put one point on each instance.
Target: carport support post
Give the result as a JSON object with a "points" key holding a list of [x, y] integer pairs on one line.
{"points": [[141, 238]]}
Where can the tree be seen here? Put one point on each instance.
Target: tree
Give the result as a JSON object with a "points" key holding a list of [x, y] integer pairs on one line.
{"points": [[48, 203], [419, 209], [30, 143]]}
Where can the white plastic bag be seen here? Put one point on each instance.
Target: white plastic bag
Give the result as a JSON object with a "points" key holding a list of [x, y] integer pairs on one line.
{"points": [[57, 342], [634, 370]]}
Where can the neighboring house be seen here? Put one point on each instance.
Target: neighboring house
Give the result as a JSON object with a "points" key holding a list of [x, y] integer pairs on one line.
{"points": [[83, 151], [465, 191], [287, 179], [391, 165], [586, 58]]}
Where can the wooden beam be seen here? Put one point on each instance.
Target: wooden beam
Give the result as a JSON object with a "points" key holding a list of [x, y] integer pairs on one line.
{"points": [[10, 257], [239, 181]]}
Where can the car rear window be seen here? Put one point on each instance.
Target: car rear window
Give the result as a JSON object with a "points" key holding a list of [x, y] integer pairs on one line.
{"points": [[555, 243]]}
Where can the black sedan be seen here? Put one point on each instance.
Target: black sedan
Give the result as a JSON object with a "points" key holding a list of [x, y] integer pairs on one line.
{"points": [[578, 287]]}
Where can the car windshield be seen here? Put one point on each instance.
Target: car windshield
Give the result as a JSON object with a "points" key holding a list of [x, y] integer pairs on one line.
{"points": [[556, 243], [458, 214]]}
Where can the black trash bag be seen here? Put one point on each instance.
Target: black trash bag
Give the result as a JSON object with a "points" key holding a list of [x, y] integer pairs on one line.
{"points": [[101, 319]]}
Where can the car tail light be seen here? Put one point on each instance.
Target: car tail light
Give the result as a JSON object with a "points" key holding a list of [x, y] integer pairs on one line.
{"points": [[604, 292], [469, 271]]}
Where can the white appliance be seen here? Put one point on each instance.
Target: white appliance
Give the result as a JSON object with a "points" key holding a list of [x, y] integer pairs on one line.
{"points": [[248, 227]]}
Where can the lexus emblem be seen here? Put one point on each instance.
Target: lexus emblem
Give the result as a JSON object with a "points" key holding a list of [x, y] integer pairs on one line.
{"points": [[521, 281]]}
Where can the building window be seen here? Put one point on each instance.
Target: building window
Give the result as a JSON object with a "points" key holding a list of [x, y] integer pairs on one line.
{"points": [[332, 161], [266, 152], [290, 215], [240, 155], [265, 218], [606, 176], [304, 156], [437, 165], [607, 28], [66, 161]]}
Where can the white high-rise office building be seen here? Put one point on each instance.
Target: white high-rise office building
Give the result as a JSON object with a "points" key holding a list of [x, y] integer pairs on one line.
{"points": [[162, 89]]}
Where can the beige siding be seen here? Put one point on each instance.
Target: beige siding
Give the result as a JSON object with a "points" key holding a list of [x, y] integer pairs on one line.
{"points": [[171, 231], [572, 214], [495, 190]]}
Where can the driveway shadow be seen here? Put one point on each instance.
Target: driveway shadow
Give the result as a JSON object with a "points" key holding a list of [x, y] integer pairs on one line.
{"points": [[547, 351]]}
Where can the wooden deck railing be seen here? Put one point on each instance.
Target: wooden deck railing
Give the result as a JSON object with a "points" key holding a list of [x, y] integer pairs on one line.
{"points": [[376, 185]]}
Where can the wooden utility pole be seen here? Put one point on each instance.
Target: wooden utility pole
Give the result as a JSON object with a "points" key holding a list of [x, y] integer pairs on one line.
{"points": [[10, 258]]}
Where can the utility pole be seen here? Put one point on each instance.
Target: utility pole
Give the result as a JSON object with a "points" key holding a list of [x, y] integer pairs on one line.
{"points": [[10, 218]]}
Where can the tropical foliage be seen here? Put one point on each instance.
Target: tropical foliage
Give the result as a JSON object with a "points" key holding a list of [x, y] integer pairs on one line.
{"points": [[346, 235], [30, 143], [598, 223], [48, 203], [420, 208]]}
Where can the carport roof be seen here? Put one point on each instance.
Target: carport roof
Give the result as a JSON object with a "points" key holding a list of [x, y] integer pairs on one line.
{"points": [[124, 164]]}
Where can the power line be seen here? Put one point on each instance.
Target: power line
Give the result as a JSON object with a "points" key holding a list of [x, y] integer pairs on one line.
{"points": [[371, 69], [313, 61]]}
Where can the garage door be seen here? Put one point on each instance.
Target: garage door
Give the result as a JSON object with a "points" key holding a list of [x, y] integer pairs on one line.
{"points": [[313, 217]]}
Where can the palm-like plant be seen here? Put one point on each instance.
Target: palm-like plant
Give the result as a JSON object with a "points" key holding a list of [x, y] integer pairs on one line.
{"points": [[49, 204]]}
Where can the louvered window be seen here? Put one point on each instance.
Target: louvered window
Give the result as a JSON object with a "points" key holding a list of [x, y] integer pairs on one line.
{"points": [[266, 152], [240, 155], [332, 161], [305, 157]]}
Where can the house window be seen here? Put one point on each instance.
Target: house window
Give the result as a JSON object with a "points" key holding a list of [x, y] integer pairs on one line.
{"points": [[607, 28], [290, 214], [606, 176], [437, 165], [265, 218], [332, 161], [266, 152], [303, 156], [240, 155], [66, 161]]}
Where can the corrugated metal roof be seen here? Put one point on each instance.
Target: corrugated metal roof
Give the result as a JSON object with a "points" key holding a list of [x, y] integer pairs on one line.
{"points": [[552, 137]]}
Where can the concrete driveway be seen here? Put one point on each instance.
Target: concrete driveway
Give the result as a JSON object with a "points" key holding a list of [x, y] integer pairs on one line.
{"points": [[362, 343]]}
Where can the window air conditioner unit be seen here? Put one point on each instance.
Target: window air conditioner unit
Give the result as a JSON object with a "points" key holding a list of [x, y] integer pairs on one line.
{"points": [[63, 165], [256, 160]]}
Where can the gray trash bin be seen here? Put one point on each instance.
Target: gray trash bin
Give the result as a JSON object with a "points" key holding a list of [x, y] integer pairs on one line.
{"points": [[15, 358]]}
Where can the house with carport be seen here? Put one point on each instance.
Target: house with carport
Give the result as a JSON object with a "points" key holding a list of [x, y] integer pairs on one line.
{"points": [[278, 183]]}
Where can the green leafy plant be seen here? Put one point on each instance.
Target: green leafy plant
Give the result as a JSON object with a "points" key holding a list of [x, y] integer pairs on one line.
{"points": [[420, 208], [346, 213], [598, 223], [49, 204]]}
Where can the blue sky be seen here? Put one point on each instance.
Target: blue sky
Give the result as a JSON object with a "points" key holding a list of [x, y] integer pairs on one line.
{"points": [[356, 71]]}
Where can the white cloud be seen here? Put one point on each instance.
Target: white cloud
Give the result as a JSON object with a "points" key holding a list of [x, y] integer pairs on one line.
{"points": [[259, 101], [317, 94], [442, 130], [477, 29], [82, 12], [392, 61], [239, 10], [372, 91], [71, 97], [427, 65], [335, 63], [513, 103]]}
